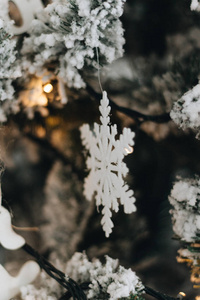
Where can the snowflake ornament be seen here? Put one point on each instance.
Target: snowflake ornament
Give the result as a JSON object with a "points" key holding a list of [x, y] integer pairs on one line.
{"points": [[10, 286], [107, 170], [8, 238]]}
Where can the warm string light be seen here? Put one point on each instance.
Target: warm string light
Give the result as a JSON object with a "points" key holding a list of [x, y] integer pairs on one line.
{"points": [[39, 94], [129, 150], [48, 88], [182, 294], [34, 94], [191, 256]]}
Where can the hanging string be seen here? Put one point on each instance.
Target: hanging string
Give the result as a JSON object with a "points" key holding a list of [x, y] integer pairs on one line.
{"points": [[98, 68], [135, 115], [74, 290], [1, 171], [35, 229]]}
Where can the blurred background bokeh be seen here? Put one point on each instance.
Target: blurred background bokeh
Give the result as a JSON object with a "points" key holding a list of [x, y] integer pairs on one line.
{"points": [[45, 164]]}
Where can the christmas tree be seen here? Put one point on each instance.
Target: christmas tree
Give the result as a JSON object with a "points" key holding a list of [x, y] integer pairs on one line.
{"points": [[99, 112]]}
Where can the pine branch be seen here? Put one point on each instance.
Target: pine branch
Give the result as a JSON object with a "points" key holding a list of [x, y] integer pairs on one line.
{"points": [[149, 291], [137, 116], [67, 295], [73, 288]]}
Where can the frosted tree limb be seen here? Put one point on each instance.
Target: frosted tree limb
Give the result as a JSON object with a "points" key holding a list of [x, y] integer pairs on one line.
{"points": [[74, 289], [135, 115], [149, 291]]}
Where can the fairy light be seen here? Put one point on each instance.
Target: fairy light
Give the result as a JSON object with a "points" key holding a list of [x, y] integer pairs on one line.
{"points": [[182, 294], [129, 150], [48, 88]]}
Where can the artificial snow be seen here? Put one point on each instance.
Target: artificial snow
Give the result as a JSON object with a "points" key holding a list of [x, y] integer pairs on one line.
{"points": [[185, 199], [185, 112]]}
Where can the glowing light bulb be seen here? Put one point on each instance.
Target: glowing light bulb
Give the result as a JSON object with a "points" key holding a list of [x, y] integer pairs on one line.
{"points": [[48, 88], [182, 294], [197, 298], [129, 150]]}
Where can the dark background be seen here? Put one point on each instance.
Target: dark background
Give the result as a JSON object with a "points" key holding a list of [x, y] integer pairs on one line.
{"points": [[40, 170]]}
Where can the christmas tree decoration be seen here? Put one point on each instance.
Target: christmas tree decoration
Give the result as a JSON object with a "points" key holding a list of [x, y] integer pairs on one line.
{"points": [[9, 71], [185, 112], [66, 37], [191, 256], [107, 280], [185, 199], [8, 238], [48, 289], [34, 94], [10, 286], [48, 88], [55, 57], [4, 8], [27, 10], [195, 5], [107, 170]]}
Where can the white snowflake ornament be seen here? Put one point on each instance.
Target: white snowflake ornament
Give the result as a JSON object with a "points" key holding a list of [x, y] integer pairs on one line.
{"points": [[10, 286], [107, 170], [8, 238]]}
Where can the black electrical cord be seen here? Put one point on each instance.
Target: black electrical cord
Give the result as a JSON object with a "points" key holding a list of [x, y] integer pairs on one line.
{"points": [[73, 288]]}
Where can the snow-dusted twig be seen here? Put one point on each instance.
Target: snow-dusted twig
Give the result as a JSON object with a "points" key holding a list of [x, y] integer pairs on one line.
{"points": [[68, 283], [195, 5], [185, 201], [185, 112], [148, 290], [69, 32], [135, 115], [160, 296], [105, 281]]}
